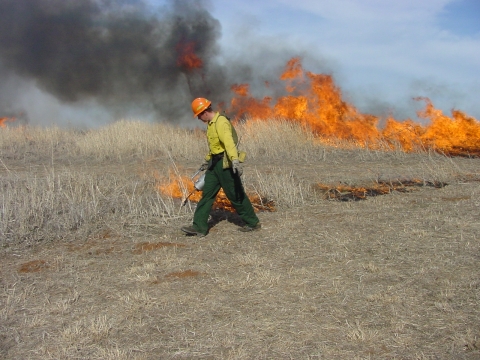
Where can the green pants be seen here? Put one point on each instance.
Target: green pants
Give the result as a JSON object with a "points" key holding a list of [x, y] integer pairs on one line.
{"points": [[232, 186]]}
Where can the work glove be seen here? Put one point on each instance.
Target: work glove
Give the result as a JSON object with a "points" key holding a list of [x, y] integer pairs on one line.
{"points": [[204, 166], [236, 167]]}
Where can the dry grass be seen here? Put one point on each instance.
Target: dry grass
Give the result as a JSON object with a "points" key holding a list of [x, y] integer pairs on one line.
{"points": [[93, 265]]}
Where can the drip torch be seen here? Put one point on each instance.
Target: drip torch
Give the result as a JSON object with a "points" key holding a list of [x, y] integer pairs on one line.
{"points": [[197, 184]]}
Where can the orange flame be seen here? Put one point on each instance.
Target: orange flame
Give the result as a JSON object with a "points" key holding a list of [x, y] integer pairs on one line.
{"points": [[316, 102], [181, 186], [4, 120], [187, 59]]}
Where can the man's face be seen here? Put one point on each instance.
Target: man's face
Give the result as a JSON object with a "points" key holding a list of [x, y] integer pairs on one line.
{"points": [[205, 116]]}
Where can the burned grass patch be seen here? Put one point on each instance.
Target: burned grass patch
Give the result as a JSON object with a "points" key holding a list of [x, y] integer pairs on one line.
{"points": [[343, 192], [33, 266], [456, 198], [103, 243], [148, 246], [183, 274]]}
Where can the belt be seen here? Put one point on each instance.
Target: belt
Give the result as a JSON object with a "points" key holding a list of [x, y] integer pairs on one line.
{"points": [[218, 156]]}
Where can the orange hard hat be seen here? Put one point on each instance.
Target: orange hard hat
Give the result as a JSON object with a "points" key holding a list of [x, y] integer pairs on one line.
{"points": [[199, 105]]}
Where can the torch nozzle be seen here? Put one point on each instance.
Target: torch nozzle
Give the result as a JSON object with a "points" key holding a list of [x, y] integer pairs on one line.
{"points": [[197, 184]]}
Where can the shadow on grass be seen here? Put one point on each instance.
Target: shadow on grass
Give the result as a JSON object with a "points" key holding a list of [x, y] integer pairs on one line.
{"points": [[218, 215]]}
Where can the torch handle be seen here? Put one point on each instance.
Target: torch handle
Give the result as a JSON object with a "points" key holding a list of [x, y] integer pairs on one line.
{"points": [[186, 199], [198, 172]]}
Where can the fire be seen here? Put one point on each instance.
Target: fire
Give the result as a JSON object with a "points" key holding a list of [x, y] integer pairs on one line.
{"points": [[456, 135], [4, 120], [187, 59], [315, 101], [181, 186]]}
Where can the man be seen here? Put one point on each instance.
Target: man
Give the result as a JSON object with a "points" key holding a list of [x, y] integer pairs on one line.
{"points": [[223, 171]]}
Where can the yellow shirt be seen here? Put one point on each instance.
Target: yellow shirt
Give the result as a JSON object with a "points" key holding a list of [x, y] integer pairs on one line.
{"points": [[221, 137]]}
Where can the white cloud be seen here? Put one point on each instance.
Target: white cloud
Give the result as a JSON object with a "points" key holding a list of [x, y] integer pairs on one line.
{"points": [[366, 10]]}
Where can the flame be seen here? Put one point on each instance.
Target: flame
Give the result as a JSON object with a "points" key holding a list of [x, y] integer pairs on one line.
{"points": [[315, 101], [187, 59], [456, 135], [178, 188], [181, 186], [4, 120]]}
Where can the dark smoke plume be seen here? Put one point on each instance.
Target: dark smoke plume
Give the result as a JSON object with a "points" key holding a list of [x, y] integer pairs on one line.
{"points": [[119, 53]]}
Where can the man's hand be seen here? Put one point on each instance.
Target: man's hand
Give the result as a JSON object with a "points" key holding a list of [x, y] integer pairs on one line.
{"points": [[236, 167], [204, 166]]}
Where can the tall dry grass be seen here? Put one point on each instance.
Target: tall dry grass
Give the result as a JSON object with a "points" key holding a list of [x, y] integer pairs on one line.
{"points": [[119, 141], [58, 181]]}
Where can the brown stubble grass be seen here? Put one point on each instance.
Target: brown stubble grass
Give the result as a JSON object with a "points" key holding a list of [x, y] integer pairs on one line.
{"points": [[93, 264]]}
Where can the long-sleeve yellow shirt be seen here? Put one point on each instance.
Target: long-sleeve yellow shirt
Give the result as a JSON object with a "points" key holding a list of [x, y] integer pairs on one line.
{"points": [[221, 137]]}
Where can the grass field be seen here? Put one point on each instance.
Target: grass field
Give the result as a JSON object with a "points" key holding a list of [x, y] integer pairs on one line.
{"points": [[93, 264]]}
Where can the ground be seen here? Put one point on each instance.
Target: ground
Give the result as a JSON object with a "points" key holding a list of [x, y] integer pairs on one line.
{"points": [[390, 277]]}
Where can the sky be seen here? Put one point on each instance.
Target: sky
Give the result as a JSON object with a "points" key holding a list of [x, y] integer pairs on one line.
{"points": [[381, 53]]}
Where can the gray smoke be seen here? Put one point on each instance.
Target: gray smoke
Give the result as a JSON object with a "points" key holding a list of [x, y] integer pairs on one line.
{"points": [[119, 54]]}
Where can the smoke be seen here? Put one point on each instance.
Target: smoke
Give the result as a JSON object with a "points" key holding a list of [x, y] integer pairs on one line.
{"points": [[120, 55]]}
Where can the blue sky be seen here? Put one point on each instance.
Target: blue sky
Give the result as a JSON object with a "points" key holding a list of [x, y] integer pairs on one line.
{"points": [[381, 53]]}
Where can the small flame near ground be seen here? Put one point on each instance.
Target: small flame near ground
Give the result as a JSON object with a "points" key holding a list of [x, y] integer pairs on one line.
{"points": [[179, 187], [4, 120], [315, 101]]}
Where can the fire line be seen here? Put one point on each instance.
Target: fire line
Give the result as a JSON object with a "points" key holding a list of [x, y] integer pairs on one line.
{"points": [[315, 101]]}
